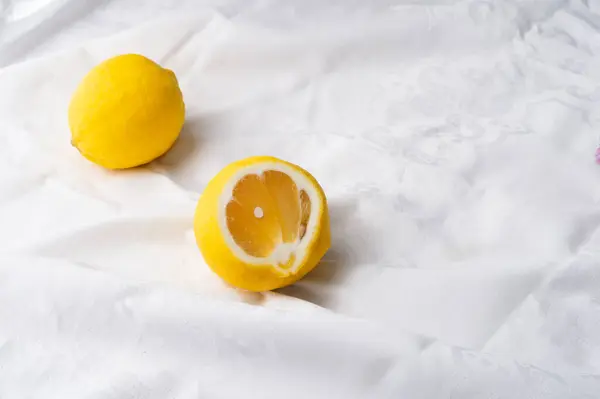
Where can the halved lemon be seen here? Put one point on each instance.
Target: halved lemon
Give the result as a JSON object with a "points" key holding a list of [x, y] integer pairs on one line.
{"points": [[262, 223]]}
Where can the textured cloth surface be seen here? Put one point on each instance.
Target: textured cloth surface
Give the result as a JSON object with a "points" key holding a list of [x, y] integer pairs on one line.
{"points": [[455, 141]]}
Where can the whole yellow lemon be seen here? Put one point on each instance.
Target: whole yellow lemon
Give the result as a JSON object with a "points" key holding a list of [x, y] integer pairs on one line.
{"points": [[126, 112]]}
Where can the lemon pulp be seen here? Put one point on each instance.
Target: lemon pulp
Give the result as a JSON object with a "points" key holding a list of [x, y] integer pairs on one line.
{"points": [[268, 215]]}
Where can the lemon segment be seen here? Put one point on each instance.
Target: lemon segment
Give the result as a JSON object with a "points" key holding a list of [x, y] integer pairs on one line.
{"points": [[126, 112], [262, 223]]}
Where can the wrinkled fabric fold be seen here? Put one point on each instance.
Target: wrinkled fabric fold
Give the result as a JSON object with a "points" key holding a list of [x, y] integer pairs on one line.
{"points": [[454, 140]]}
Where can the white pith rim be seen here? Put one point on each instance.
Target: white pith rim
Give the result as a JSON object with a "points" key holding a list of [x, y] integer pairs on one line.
{"points": [[282, 253]]}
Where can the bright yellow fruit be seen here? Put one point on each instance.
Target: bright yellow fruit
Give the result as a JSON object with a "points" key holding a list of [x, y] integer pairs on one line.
{"points": [[262, 223], [126, 112]]}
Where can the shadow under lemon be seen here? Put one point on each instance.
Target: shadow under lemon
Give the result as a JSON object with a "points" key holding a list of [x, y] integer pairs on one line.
{"points": [[185, 147], [320, 284]]}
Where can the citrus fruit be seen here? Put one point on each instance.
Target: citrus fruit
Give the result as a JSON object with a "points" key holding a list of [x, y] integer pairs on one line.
{"points": [[262, 223], [126, 112]]}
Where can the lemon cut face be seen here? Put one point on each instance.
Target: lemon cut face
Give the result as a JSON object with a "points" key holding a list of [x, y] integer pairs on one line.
{"points": [[267, 216], [262, 223]]}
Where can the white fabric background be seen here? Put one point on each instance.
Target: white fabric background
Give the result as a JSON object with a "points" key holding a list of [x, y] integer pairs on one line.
{"points": [[454, 140]]}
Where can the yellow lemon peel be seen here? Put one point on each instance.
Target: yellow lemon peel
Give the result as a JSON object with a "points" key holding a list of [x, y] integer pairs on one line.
{"points": [[126, 112]]}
